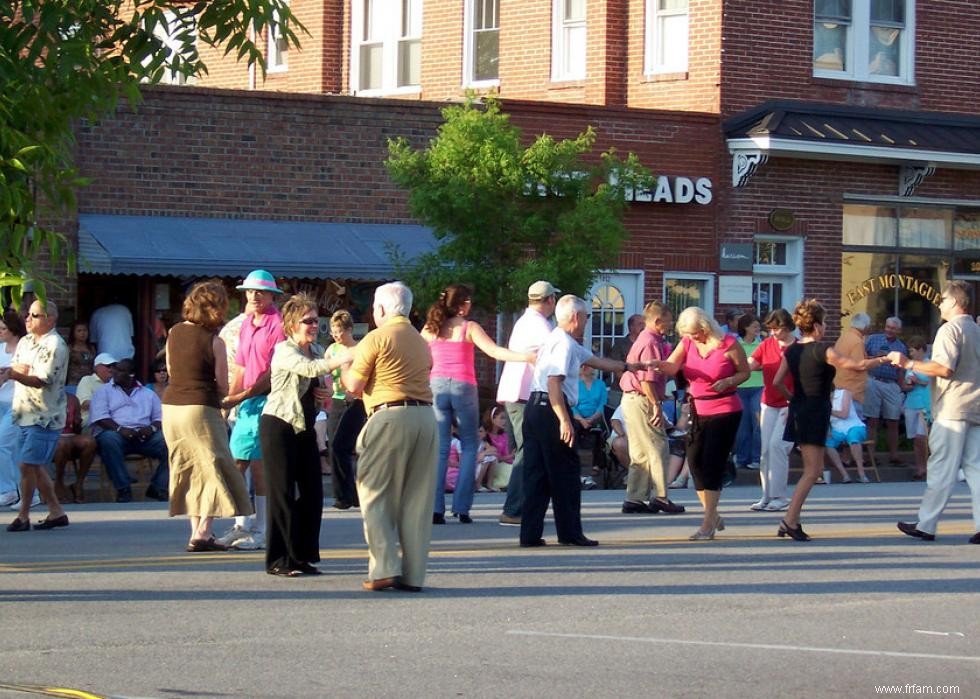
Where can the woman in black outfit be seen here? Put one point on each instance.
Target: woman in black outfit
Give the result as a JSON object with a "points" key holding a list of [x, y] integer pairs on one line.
{"points": [[812, 363]]}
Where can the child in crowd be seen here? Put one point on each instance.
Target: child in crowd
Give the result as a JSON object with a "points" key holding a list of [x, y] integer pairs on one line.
{"points": [[486, 461], [617, 439], [452, 467], [495, 423], [917, 413], [845, 428]]}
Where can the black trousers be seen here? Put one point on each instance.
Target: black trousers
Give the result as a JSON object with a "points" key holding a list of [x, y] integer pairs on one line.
{"points": [[294, 489], [710, 441], [551, 472], [342, 447]]}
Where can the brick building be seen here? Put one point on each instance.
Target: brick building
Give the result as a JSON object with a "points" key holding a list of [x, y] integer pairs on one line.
{"points": [[838, 137]]}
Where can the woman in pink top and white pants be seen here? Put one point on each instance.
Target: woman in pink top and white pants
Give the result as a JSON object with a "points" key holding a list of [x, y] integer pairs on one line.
{"points": [[714, 364], [451, 340]]}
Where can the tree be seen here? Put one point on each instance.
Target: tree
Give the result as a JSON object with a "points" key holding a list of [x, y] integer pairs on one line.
{"points": [[506, 215], [66, 60]]}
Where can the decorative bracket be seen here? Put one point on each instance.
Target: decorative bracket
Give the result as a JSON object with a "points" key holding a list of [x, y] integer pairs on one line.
{"points": [[911, 176], [744, 165]]}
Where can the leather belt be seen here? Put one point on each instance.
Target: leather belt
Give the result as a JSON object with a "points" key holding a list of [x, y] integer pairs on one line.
{"points": [[878, 378], [400, 404], [539, 398]]}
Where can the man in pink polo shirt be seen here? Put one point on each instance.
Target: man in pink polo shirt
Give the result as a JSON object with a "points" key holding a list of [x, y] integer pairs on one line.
{"points": [[261, 331]]}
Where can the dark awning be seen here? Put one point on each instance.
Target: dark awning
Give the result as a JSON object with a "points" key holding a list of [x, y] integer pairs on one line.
{"points": [[172, 246]]}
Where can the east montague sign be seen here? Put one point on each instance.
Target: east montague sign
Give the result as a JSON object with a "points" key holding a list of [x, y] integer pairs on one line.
{"points": [[885, 282]]}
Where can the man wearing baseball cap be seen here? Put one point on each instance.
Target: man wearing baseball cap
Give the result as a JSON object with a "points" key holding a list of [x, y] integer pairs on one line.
{"points": [[88, 385], [529, 333], [261, 331]]}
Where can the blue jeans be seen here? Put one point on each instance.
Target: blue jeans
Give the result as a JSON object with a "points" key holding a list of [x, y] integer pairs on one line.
{"points": [[9, 458], [459, 400], [113, 449], [748, 441]]}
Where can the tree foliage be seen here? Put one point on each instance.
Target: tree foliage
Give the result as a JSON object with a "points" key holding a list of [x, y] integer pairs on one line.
{"points": [[65, 60], [504, 214]]}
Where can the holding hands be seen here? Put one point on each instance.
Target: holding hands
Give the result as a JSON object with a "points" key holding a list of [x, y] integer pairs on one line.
{"points": [[897, 359]]}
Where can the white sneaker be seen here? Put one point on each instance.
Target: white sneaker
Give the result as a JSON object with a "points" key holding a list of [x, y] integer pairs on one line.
{"points": [[233, 535], [9, 498], [863, 479], [759, 506], [252, 541], [35, 501], [777, 505], [754, 466]]}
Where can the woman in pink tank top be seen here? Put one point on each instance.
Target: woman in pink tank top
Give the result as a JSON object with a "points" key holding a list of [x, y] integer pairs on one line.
{"points": [[714, 364], [451, 340]]}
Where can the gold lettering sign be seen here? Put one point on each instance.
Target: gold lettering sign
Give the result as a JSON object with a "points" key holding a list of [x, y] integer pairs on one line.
{"points": [[890, 281]]}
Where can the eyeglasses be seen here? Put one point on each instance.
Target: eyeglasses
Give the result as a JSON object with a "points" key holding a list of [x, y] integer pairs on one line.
{"points": [[37, 315], [310, 321]]}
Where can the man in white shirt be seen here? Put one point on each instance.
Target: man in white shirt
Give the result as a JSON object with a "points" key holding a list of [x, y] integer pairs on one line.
{"points": [[111, 329], [529, 332], [551, 465]]}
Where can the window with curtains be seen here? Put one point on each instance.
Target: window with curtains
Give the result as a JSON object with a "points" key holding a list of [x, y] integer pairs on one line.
{"points": [[387, 46], [867, 40], [683, 289], [666, 36], [569, 40], [482, 39], [278, 49]]}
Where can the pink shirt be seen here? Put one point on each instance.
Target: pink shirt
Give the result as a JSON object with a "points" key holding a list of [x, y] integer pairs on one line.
{"points": [[702, 372], [256, 344], [648, 345], [502, 443], [453, 359], [769, 354]]}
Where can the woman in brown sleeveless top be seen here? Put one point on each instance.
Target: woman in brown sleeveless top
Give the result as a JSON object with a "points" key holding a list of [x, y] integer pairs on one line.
{"points": [[204, 481]]}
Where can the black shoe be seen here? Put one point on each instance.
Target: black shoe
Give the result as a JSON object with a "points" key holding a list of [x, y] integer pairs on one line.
{"points": [[341, 505], [19, 525], [580, 541], [796, 533], [912, 529], [438, 518], [124, 495], [975, 539], [463, 518], [405, 587], [534, 544], [666, 506], [309, 569], [637, 508], [49, 523], [154, 493]]}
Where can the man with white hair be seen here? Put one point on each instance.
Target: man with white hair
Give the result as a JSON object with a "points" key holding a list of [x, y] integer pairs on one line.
{"points": [[883, 397], [551, 465], [399, 445], [850, 344]]}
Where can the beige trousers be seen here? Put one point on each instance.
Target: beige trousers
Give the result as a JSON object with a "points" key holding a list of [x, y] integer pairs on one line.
{"points": [[649, 454], [398, 450]]}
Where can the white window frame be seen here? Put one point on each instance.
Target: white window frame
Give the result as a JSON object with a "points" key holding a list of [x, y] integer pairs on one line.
{"points": [[469, 47], [790, 275], [276, 59], [653, 40], [709, 287], [563, 44], [166, 35], [857, 48], [390, 37]]}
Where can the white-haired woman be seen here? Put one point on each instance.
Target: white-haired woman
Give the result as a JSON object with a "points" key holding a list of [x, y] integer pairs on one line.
{"points": [[714, 364]]}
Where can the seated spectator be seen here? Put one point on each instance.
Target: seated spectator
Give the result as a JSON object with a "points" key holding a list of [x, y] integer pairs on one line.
{"points": [[618, 441], [495, 424], [845, 427], [73, 446], [592, 393], [80, 354], [677, 471], [917, 408], [452, 465], [160, 378], [88, 385], [486, 462], [126, 419]]}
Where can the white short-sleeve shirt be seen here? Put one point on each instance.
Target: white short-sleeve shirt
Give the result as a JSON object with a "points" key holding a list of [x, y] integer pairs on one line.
{"points": [[560, 355]]}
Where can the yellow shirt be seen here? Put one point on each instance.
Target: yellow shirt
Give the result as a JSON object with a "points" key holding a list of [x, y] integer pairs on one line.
{"points": [[394, 362]]}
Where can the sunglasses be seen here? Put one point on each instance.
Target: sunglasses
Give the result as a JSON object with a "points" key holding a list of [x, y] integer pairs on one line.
{"points": [[310, 321]]}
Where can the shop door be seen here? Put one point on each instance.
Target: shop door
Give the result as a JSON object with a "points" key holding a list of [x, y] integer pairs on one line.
{"points": [[614, 297]]}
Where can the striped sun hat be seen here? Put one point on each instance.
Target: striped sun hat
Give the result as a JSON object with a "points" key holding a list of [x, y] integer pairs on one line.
{"points": [[260, 280]]}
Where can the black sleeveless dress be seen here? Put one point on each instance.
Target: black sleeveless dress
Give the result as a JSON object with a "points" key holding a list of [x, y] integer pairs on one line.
{"points": [[813, 385]]}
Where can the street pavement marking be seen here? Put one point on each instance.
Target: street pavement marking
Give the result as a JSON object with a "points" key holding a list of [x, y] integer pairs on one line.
{"points": [[51, 691], [438, 552], [753, 646]]}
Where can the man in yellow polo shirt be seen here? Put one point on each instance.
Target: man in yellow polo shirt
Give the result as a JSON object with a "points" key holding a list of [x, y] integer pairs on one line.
{"points": [[398, 447]]}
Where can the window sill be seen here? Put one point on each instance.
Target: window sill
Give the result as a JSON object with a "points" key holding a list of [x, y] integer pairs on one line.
{"points": [[394, 92], [665, 77], [576, 84], [853, 83]]}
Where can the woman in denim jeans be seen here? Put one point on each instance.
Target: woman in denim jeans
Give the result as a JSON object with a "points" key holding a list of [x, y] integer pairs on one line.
{"points": [[451, 339]]}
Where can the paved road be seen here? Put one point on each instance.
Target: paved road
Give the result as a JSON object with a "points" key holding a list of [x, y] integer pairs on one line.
{"points": [[113, 606]]}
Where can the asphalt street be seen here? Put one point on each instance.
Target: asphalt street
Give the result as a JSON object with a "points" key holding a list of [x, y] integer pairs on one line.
{"points": [[112, 606]]}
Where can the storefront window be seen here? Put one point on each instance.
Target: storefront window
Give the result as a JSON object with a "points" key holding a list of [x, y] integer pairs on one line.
{"points": [[869, 225], [925, 228]]}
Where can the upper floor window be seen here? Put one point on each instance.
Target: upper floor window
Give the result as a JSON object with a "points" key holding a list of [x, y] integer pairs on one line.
{"points": [[277, 54], [869, 40], [569, 40], [482, 42], [387, 53], [666, 36], [171, 33]]}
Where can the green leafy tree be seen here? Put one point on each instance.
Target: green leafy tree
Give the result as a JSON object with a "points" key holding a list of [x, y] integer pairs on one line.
{"points": [[66, 60], [504, 214]]}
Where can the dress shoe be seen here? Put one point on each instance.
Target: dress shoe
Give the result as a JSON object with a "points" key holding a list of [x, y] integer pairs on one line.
{"points": [[533, 544], [795, 533], [19, 525], [405, 587], [975, 539], [666, 506], [309, 569], [154, 493], [637, 508], [341, 505], [379, 584], [124, 495], [463, 518], [284, 572], [508, 521], [49, 523], [912, 529], [438, 518], [579, 541]]}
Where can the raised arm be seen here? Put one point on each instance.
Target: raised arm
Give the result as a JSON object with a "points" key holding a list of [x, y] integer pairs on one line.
{"points": [[674, 362], [478, 336], [839, 361], [929, 368]]}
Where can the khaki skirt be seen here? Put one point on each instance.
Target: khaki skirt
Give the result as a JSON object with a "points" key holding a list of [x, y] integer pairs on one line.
{"points": [[204, 480]]}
